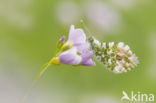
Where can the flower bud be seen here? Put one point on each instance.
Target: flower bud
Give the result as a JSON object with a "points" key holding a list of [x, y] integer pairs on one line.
{"points": [[55, 61], [61, 42], [66, 46]]}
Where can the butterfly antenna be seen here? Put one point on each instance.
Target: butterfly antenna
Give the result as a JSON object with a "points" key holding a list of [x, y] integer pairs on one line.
{"points": [[85, 27]]}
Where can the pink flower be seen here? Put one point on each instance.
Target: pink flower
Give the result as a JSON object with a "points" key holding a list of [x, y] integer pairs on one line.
{"points": [[75, 50]]}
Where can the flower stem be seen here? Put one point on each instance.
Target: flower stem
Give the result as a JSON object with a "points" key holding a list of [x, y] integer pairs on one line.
{"points": [[40, 74]]}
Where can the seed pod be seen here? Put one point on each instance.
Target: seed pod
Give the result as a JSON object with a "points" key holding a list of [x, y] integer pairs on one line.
{"points": [[116, 57]]}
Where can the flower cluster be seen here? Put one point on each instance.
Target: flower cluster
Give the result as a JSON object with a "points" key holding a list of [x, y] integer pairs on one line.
{"points": [[75, 51], [116, 57]]}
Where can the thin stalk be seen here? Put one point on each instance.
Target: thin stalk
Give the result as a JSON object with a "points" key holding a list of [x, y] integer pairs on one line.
{"points": [[40, 74]]}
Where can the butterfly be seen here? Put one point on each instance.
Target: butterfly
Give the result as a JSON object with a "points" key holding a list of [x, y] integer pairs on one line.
{"points": [[116, 57]]}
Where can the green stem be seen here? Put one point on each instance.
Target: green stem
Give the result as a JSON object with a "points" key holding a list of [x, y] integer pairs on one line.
{"points": [[40, 74], [56, 51]]}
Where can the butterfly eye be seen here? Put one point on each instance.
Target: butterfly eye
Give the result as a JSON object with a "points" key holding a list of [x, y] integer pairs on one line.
{"points": [[116, 57]]}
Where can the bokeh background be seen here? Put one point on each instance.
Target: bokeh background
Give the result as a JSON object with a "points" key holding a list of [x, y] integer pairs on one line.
{"points": [[29, 30]]}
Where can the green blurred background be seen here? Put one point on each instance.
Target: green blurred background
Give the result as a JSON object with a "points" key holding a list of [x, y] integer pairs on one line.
{"points": [[29, 30]]}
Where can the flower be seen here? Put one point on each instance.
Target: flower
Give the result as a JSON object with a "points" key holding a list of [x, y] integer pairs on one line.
{"points": [[116, 57], [75, 51], [70, 57]]}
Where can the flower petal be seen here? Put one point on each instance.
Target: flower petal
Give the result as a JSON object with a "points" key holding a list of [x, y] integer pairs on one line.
{"points": [[89, 63], [70, 57], [86, 56], [72, 28], [77, 36], [82, 47]]}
